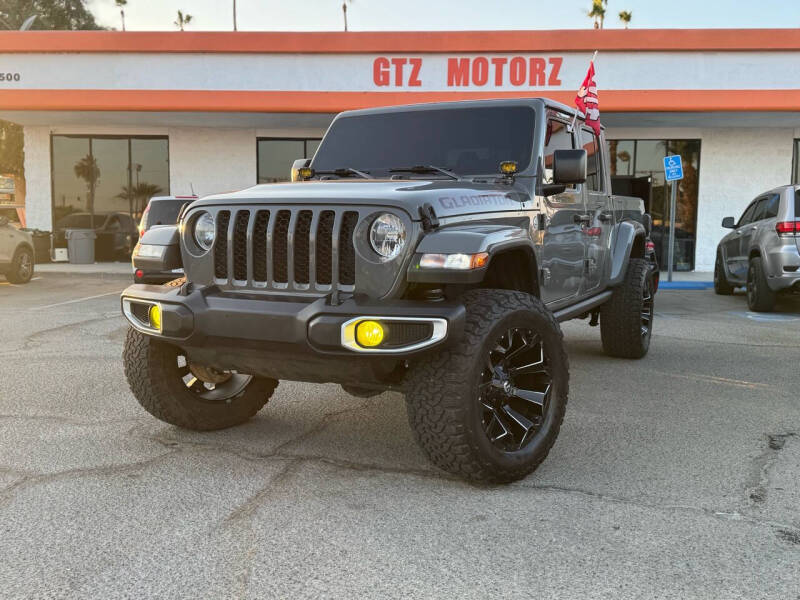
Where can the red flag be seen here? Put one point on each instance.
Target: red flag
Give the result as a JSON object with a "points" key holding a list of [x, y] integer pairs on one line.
{"points": [[587, 101]]}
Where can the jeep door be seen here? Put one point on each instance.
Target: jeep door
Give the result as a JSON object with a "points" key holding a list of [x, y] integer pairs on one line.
{"points": [[598, 220], [562, 243]]}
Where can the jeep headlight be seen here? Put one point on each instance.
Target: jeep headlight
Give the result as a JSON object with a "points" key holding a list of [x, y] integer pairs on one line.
{"points": [[387, 236], [204, 231]]}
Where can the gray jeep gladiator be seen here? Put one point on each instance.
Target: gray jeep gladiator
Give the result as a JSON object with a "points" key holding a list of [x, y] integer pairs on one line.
{"points": [[429, 249]]}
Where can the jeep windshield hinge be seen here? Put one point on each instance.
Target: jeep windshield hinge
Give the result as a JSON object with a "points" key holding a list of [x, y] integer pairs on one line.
{"points": [[428, 215]]}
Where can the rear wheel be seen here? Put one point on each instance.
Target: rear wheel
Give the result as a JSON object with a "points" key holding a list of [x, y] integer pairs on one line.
{"points": [[21, 269], [760, 297], [721, 285], [626, 319], [490, 408], [181, 393]]}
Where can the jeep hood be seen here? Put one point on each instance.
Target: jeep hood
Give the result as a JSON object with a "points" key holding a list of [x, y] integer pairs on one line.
{"points": [[448, 197]]}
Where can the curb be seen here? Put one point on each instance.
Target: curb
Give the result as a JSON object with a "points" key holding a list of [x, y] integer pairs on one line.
{"points": [[92, 274], [685, 285]]}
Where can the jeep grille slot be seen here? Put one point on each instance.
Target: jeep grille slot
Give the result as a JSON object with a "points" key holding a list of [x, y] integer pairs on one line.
{"points": [[221, 245], [308, 250], [280, 247], [347, 253], [240, 245], [302, 244], [260, 246]]}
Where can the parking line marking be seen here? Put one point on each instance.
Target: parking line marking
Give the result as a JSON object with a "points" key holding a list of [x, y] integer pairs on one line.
{"points": [[75, 300]]}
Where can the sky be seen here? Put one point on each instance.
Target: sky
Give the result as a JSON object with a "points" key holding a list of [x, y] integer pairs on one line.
{"points": [[376, 15]]}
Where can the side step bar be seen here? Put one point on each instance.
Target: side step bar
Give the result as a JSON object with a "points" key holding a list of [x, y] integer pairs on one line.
{"points": [[582, 307]]}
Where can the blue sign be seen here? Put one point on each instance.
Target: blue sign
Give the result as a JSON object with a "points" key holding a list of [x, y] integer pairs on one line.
{"points": [[673, 168]]}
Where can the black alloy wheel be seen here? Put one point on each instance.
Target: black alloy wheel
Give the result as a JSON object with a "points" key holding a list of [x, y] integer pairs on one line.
{"points": [[515, 390], [647, 308]]}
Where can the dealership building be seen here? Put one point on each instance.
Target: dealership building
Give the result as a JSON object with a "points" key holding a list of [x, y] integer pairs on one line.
{"points": [[120, 116]]}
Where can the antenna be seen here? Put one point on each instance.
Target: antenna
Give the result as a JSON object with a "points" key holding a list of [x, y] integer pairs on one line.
{"points": [[191, 187], [28, 23]]}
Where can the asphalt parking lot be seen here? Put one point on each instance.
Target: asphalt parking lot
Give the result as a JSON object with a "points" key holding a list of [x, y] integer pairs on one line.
{"points": [[674, 476]]}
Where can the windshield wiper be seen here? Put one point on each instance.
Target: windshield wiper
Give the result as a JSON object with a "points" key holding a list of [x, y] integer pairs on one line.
{"points": [[425, 169], [345, 172]]}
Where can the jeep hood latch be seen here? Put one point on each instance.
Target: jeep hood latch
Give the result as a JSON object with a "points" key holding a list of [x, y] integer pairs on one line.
{"points": [[428, 215]]}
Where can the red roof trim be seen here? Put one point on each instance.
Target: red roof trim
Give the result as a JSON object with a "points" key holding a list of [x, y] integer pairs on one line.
{"points": [[333, 102]]}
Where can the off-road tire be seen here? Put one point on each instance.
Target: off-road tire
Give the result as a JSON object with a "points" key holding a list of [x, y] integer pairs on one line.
{"points": [[760, 298], [16, 273], [721, 285], [152, 373], [621, 315], [442, 399]]}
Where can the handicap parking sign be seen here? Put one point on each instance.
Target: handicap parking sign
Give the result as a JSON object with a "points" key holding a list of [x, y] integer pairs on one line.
{"points": [[673, 168]]}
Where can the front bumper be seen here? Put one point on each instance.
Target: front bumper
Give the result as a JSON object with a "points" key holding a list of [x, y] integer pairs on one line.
{"points": [[204, 318]]}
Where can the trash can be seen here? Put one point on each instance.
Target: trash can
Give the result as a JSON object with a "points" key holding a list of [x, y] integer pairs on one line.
{"points": [[41, 244], [80, 245]]}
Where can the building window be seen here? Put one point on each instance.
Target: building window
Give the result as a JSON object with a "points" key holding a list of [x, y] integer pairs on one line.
{"points": [[105, 180], [796, 163], [637, 169], [276, 155]]}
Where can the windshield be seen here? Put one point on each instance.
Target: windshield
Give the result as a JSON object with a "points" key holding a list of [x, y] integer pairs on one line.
{"points": [[81, 221], [466, 141], [165, 212]]}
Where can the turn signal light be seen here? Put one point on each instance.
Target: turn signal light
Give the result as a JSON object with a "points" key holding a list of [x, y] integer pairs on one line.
{"points": [[458, 262], [304, 173], [369, 334], [508, 167], [155, 316], [787, 227]]}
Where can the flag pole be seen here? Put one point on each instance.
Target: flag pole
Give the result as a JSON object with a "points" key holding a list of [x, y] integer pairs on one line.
{"points": [[575, 116]]}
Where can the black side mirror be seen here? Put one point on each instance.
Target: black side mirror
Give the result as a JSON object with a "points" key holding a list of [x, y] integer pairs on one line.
{"points": [[569, 166], [3, 220], [729, 223]]}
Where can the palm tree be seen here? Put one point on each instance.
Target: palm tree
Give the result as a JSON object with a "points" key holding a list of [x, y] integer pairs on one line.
{"points": [[87, 169], [182, 20], [121, 5], [344, 11], [138, 195], [625, 17], [598, 12]]}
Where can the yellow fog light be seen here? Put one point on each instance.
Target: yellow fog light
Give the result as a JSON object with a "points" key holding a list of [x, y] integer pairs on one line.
{"points": [[369, 334], [155, 317]]}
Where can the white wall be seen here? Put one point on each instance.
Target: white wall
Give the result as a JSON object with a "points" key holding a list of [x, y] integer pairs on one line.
{"points": [[38, 206], [736, 164], [211, 161]]}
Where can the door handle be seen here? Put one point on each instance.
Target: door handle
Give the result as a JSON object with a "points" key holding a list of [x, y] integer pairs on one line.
{"points": [[582, 218]]}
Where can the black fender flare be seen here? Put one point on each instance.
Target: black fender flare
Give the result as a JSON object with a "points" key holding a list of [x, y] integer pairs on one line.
{"points": [[624, 238], [166, 236]]}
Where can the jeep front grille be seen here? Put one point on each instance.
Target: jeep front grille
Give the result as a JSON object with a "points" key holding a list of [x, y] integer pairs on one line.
{"points": [[285, 249]]}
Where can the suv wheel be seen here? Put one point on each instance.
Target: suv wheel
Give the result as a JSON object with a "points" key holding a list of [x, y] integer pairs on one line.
{"points": [[189, 396], [721, 285], [760, 297], [490, 408], [626, 320], [21, 269]]}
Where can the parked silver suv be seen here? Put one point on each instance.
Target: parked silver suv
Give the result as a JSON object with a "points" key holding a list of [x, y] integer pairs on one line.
{"points": [[16, 253], [763, 250]]}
